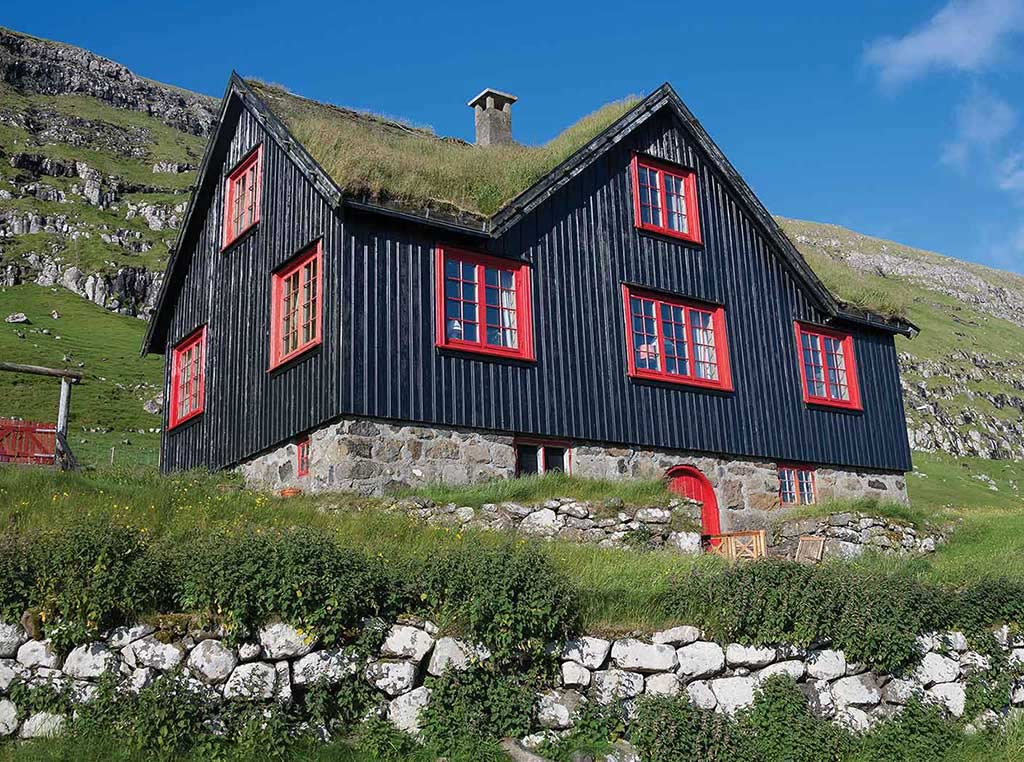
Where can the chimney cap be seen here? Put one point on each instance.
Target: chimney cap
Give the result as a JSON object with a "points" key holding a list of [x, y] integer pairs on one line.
{"points": [[500, 98]]}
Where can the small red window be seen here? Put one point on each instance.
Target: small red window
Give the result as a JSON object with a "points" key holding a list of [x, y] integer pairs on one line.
{"points": [[302, 457], [188, 378], [483, 304], [296, 309], [665, 199], [828, 369], [669, 339], [796, 485], [242, 196]]}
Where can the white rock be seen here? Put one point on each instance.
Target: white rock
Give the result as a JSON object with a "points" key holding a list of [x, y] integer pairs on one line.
{"points": [[90, 661], [544, 522], [972, 661], [653, 515], [677, 636], [141, 678], [733, 692], [663, 684], [212, 661], [283, 682], [590, 652], [282, 641], [820, 699], [455, 653], [249, 652], [575, 675], [256, 681], [854, 718], [701, 695], [1017, 656], [405, 642], [404, 711], [637, 656], [10, 670], [956, 641], [42, 725], [856, 690], [615, 684], [935, 668], [38, 653], [150, 652], [826, 664], [621, 751], [11, 638], [1017, 694], [82, 691], [951, 695], [391, 677], [928, 641], [8, 718], [685, 542], [792, 667], [559, 709], [899, 691], [119, 637], [328, 667], [737, 655], [700, 659]]}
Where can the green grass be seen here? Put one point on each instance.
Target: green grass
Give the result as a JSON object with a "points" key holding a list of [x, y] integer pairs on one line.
{"points": [[916, 514], [116, 383], [384, 159], [534, 489]]}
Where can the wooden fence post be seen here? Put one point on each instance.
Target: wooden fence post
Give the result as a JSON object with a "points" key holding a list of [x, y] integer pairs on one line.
{"points": [[64, 407]]}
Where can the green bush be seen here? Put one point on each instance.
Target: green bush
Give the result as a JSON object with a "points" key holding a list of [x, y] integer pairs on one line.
{"points": [[919, 733], [668, 729], [874, 617], [508, 597], [779, 727], [475, 706]]}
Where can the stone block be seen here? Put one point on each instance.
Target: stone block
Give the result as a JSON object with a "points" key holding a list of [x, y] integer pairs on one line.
{"points": [[637, 656], [700, 659]]}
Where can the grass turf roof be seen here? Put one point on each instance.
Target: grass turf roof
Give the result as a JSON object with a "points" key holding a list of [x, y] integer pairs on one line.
{"points": [[388, 161]]}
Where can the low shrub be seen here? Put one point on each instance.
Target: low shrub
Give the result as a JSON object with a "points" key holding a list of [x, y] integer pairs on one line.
{"points": [[667, 729], [919, 733], [874, 617]]}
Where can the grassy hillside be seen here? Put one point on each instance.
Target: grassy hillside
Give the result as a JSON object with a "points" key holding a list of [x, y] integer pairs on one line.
{"points": [[106, 409]]}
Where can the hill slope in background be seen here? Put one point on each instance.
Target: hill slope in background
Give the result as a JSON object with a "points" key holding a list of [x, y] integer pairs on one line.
{"points": [[95, 168]]}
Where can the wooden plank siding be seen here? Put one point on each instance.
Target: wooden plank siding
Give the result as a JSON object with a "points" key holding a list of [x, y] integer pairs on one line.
{"points": [[378, 356]]}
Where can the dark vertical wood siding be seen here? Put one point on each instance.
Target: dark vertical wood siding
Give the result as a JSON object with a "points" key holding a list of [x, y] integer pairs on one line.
{"points": [[378, 357]]}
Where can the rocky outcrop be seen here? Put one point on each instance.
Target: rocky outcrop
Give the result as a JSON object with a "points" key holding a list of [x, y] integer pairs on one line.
{"points": [[128, 291], [41, 66]]}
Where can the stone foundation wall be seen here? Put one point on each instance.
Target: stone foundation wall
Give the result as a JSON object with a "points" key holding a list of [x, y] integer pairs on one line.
{"points": [[281, 661], [374, 457]]}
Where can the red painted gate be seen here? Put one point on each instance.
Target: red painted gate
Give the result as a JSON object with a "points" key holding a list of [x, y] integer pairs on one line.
{"points": [[689, 482], [27, 442]]}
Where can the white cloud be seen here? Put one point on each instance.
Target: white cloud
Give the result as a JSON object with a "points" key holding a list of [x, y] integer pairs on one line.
{"points": [[982, 121], [1011, 180], [965, 35]]}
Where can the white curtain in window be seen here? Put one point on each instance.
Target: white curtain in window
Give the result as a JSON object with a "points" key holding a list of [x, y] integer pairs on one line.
{"points": [[508, 318]]}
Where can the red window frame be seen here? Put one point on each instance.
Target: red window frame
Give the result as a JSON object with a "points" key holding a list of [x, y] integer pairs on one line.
{"points": [[188, 356], [799, 488], [654, 198], [242, 190], [481, 263], [286, 286], [819, 337], [661, 373], [541, 444], [302, 456]]}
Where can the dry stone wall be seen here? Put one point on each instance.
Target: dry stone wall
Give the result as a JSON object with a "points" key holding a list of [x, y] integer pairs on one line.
{"points": [[679, 661]]}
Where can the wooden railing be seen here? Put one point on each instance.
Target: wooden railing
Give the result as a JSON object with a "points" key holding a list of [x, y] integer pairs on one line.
{"points": [[737, 545], [27, 442]]}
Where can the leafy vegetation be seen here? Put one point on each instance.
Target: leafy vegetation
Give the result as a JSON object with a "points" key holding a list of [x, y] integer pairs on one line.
{"points": [[386, 159]]}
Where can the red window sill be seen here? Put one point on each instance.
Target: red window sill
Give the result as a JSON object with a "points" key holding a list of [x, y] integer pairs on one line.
{"points": [[477, 349], [689, 237], [682, 380], [181, 421], [825, 402], [278, 362], [228, 244]]}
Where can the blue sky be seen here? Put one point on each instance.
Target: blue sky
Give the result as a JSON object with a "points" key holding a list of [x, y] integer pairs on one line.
{"points": [[901, 120]]}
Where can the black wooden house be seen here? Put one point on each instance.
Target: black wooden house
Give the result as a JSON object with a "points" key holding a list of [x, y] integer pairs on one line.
{"points": [[634, 310]]}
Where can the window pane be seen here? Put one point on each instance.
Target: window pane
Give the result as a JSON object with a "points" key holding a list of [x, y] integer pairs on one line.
{"points": [[673, 328], [787, 486], [645, 339], [836, 360], [813, 368], [806, 482], [554, 459], [705, 355], [650, 196], [675, 203], [526, 460]]}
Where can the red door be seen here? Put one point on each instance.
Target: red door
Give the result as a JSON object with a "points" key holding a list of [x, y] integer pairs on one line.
{"points": [[689, 482]]}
